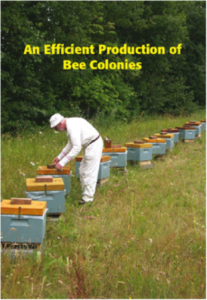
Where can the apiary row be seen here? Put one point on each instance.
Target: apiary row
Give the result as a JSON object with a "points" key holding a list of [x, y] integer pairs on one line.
{"points": [[23, 220]]}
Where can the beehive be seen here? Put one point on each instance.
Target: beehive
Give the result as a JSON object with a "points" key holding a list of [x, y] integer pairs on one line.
{"points": [[158, 145], [51, 192], [118, 156], [169, 137], [196, 125], [174, 131], [187, 133], [64, 174], [23, 223], [139, 152], [104, 168], [203, 125]]}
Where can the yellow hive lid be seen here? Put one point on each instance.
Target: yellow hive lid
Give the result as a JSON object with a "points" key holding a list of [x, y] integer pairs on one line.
{"points": [[133, 145], [165, 135], [158, 140], [36, 208], [121, 149], [44, 170], [103, 158], [56, 185]]}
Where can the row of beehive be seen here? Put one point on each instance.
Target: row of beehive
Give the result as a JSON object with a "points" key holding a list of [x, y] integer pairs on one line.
{"points": [[24, 221]]}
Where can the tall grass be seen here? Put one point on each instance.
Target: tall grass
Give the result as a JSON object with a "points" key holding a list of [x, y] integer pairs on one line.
{"points": [[143, 236]]}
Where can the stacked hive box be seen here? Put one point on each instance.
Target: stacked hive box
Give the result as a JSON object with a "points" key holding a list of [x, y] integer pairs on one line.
{"points": [[140, 152], [169, 137], [196, 125], [23, 223], [104, 168], [158, 145], [64, 174], [118, 156], [51, 192], [187, 134]]}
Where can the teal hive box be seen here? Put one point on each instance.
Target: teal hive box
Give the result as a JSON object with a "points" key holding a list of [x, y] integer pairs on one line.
{"points": [[64, 174], [186, 133], [169, 138], [196, 125], [203, 125], [118, 156], [136, 152], [104, 169], [158, 145], [53, 194], [174, 131], [55, 200], [23, 228]]}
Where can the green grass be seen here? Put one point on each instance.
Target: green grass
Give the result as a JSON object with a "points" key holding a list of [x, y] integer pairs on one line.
{"points": [[143, 237]]}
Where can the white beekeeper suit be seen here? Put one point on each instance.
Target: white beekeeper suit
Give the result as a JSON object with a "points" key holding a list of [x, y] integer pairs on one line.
{"points": [[82, 134]]}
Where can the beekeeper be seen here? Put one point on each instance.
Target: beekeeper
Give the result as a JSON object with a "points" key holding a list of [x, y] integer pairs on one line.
{"points": [[80, 134]]}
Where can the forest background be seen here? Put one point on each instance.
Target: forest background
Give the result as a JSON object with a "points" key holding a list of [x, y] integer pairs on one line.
{"points": [[36, 86]]}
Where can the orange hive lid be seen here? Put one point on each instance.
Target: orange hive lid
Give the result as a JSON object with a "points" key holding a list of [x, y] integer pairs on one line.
{"points": [[103, 158], [158, 140], [36, 208], [165, 135], [132, 145], [44, 170], [56, 185], [121, 149]]}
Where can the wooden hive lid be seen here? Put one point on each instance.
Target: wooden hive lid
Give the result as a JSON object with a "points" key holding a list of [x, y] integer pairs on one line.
{"points": [[157, 140], [36, 208], [165, 135], [44, 170], [186, 128], [132, 145], [193, 123], [103, 158], [121, 149], [56, 185], [169, 130], [203, 121]]}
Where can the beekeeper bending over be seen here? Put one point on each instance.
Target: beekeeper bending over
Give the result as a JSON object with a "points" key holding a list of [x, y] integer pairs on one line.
{"points": [[80, 134]]}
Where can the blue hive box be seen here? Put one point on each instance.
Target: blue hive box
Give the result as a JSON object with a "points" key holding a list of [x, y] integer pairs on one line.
{"points": [[64, 174], [197, 126], [26, 227], [104, 169], [173, 131], [187, 133], [158, 145], [53, 194], [139, 152], [118, 156], [203, 125], [169, 137]]}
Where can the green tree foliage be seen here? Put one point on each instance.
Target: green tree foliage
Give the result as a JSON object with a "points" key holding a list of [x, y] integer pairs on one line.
{"points": [[35, 86]]}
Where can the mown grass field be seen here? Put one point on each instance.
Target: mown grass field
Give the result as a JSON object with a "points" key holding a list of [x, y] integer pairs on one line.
{"points": [[143, 236]]}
